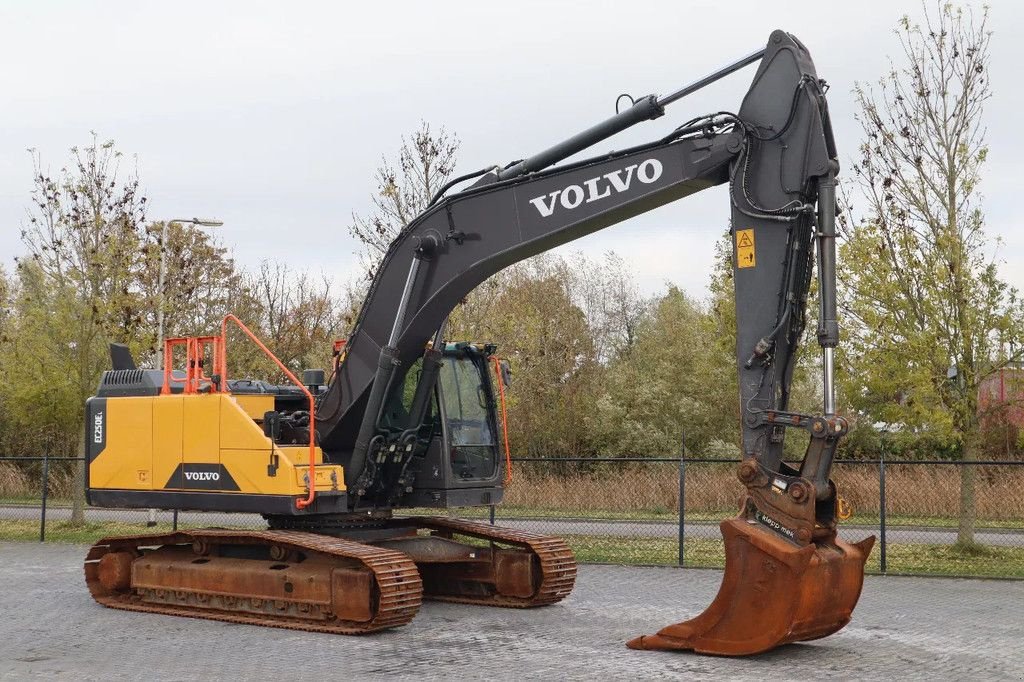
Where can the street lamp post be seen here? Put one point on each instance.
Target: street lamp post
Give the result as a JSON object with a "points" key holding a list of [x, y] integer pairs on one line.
{"points": [[163, 300], [163, 277]]}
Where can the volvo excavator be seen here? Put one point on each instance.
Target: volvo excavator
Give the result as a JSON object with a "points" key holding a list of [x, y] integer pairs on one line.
{"points": [[407, 419]]}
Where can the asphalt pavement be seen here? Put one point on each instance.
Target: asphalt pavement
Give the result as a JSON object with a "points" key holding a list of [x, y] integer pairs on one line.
{"points": [[903, 629]]}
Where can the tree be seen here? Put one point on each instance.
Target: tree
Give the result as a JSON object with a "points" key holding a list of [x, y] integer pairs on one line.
{"points": [[83, 238], [426, 161], [39, 364], [920, 282], [611, 300], [675, 379], [296, 315], [202, 283], [529, 312], [562, 321]]}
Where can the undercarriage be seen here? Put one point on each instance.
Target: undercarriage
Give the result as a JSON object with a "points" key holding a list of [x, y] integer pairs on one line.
{"points": [[369, 577]]}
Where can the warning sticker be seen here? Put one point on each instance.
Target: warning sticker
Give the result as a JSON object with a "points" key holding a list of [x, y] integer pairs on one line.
{"points": [[745, 249]]}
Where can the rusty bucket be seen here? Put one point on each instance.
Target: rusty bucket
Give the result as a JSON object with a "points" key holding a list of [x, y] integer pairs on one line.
{"points": [[773, 592]]}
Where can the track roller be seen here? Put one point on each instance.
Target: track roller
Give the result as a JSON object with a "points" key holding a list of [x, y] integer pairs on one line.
{"points": [[284, 579]]}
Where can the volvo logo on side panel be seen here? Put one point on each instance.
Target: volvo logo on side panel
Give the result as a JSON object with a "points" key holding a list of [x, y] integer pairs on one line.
{"points": [[202, 475], [192, 476], [597, 188]]}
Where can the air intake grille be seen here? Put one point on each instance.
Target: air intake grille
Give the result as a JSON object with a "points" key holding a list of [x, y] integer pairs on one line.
{"points": [[122, 377]]}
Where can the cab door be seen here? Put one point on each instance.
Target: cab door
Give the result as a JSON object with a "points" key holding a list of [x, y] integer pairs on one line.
{"points": [[468, 421]]}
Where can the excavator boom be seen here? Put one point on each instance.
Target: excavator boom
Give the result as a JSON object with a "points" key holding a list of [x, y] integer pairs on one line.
{"points": [[777, 156]]}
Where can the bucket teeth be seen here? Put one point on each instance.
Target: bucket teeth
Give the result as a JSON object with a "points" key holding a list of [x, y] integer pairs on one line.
{"points": [[773, 592]]}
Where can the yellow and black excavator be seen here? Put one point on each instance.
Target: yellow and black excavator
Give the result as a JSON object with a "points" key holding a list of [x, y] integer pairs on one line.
{"points": [[408, 420]]}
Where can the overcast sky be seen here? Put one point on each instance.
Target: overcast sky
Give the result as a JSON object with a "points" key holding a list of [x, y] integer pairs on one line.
{"points": [[273, 116]]}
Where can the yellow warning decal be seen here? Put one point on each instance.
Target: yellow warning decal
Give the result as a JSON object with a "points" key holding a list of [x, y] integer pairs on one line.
{"points": [[745, 249]]}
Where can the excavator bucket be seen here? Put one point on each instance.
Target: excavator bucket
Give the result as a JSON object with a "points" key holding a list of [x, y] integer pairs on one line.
{"points": [[773, 592]]}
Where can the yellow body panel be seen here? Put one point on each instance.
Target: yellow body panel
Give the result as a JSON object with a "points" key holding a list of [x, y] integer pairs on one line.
{"points": [[238, 431], [255, 405], [166, 437], [149, 438], [326, 477], [201, 428], [134, 468], [299, 454]]}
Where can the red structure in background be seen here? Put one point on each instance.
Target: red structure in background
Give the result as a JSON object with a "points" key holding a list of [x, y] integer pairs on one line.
{"points": [[1001, 408]]}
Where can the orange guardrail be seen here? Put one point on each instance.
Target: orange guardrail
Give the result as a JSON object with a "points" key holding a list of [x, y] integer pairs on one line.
{"points": [[221, 368], [504, 418], [195, 354]]}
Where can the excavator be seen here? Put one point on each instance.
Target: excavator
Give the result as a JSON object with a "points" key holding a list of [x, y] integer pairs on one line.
{"points": [[410, 420]]}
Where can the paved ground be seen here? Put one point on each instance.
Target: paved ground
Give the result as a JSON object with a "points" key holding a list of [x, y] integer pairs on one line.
{"points": [[904, 628], [996, 537]]}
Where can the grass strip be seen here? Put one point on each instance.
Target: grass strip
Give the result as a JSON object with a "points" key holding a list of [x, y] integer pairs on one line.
{"points": [[951, 560]]}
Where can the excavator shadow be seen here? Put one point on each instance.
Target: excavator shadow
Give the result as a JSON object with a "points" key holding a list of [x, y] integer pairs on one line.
{"points": [[773, 592]]}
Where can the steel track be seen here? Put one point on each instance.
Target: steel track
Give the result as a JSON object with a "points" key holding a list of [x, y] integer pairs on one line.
{"points": [[557, 563], [398, 585], [399, 588]]}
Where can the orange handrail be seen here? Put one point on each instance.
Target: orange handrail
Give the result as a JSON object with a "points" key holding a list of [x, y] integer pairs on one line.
{"points": [[194, 348], [221, 368], [168, 359], [504, 419]]}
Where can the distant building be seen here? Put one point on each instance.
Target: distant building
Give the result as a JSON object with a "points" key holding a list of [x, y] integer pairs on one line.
{"points": [[1001, 409]]}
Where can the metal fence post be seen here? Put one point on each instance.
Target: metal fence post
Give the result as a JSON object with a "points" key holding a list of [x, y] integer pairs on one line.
{"points": [[881, 513], [174, 520], [42, 506], [682, 510], [492, 513]]}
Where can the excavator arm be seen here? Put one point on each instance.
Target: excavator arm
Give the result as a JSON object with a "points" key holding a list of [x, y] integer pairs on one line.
{"points": [[788, 577], [463, 240], [778, 158]]}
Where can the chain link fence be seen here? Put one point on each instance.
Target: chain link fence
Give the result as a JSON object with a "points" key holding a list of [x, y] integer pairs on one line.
{"points": [[627, 510], [41, 499]]}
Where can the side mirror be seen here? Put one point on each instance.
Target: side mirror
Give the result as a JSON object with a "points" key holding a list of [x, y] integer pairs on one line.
{"points": [[272, 425], [506, 373], [313, 379]]}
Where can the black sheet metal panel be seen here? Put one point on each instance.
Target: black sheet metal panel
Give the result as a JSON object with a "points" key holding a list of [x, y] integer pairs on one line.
{"points": [[493, 227], [773, 251]]}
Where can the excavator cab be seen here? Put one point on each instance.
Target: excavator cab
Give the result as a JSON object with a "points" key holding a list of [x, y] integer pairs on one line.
{"points": [[467, 412], [457, 459]]}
